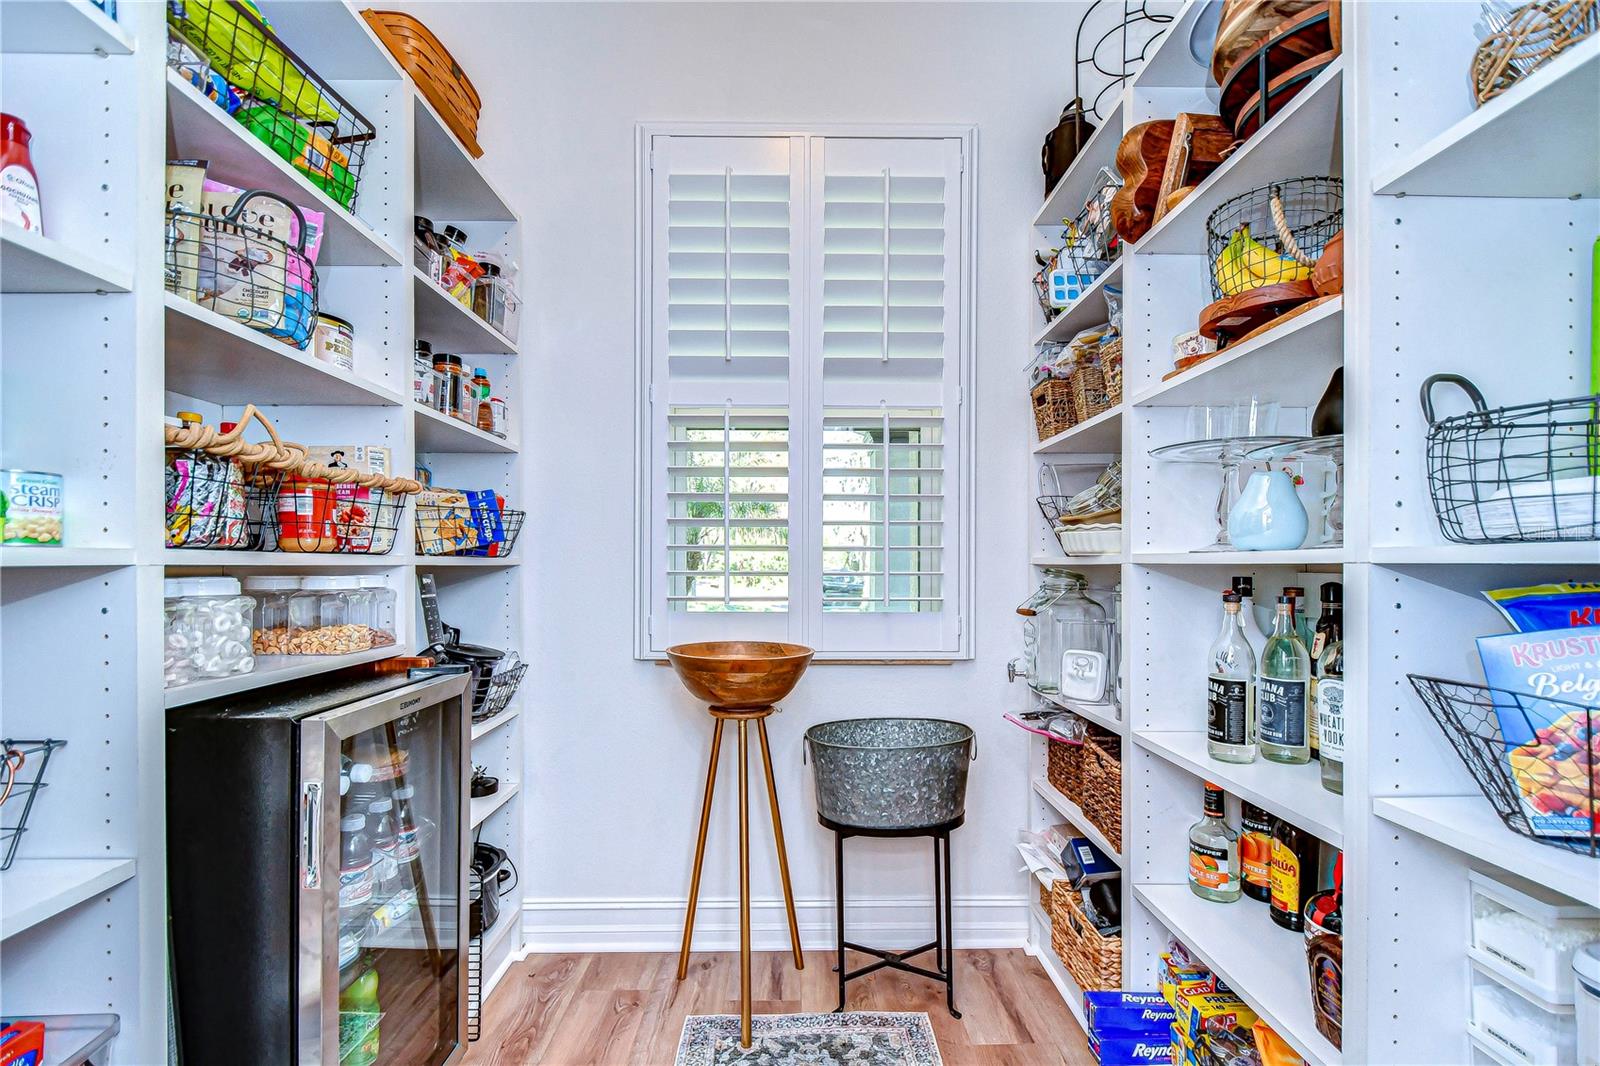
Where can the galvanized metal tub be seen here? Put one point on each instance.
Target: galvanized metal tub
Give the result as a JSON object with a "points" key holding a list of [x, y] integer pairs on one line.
{"points": [[890, 773]]}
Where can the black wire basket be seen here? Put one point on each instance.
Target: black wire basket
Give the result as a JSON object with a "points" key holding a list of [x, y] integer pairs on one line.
{"points": [[18, 793], [1091, 241], [491, 695], [216, 503], [1528, 472], [316, 515], [244, 267], [236, 59], [438, 526], [1272, 235], [1555, 773]]}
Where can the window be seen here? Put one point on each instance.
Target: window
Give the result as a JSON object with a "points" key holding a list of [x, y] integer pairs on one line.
{"points": [[804, 336]]}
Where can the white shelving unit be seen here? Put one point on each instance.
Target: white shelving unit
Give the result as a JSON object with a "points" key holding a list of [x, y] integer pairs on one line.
{"points": [[1425, 173], [83, 909]]}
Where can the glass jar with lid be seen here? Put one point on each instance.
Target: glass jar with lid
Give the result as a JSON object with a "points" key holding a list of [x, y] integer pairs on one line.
{"points": [[273, 624], [1080, 642], [385, 610], [1041, 665], [206, 629], [454, 385], [326, 601]]}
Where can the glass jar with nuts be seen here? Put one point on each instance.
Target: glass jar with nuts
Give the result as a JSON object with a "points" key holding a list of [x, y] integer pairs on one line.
{"points": [[275, 623], [325, 603]]}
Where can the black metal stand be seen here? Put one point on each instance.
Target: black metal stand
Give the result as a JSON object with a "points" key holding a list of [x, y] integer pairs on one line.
{"points": [[943, 938]]}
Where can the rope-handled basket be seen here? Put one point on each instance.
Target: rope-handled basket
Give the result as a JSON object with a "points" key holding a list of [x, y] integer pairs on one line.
{"points": [[1529, 37]]}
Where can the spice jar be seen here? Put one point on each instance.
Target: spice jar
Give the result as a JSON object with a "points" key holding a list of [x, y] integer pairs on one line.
{"points": [[207, 629], [426, 248], [424, 389], [482, 413], [325, 601], [385, 610], [19, 185], [454, 387], [273, 622], [497, 415]]}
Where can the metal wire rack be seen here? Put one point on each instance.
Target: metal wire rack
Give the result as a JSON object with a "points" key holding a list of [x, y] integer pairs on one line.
{"points": [[1532, 757], [439, 524], [18, 793], [234, 57], [249, 265], [1091, 241], [1272, 235], [1521, 473], [492, 694], [322, 516], [217, 503]]}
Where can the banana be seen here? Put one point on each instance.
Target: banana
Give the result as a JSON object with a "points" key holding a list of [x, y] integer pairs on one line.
{"points": [[1271, 267], [1233, 277]]}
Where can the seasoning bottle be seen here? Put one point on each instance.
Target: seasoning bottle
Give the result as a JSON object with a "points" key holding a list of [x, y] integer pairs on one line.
{"points": [[1255, 851], [1294, 873], [424, 388], [19, 185], [453, 386], [482, 413], [1214, 851]]}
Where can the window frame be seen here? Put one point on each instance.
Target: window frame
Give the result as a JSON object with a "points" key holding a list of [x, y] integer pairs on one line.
{"points": [[958, 413]]}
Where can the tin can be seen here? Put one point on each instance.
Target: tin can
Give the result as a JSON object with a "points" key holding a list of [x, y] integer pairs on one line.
{"points": [[30, 507], [334, 341]]}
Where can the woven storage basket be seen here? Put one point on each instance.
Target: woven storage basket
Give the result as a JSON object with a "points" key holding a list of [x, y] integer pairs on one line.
{"points": [[1052, 407], [1111, 366], [1088, 391], [1063, 764], [1094, 961], [1101, 784], [1535, 34], [1044, 898], [437, 74]]}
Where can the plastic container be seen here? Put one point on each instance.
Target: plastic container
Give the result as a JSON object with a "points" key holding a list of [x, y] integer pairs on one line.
{"points": [[207, 629], [273, 624], [454, 387], [334, 341], [381, 829], [1527, 934], [408, 843], [1586, 1001], [326, 603], [1507, 1023], [385, 610]]}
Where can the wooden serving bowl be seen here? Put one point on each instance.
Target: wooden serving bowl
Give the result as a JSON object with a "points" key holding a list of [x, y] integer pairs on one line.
{"points": [[740, 674]]}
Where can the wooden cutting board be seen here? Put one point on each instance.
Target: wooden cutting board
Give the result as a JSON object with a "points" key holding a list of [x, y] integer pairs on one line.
{"points": [[1199, 144], [1141, 159]]}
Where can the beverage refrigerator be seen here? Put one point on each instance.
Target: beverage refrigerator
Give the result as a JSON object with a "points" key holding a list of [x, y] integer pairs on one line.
{"points": [[318, 872]]}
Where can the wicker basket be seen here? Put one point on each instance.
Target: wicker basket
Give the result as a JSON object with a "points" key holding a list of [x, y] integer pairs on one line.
{"points": [[1111, 366], [1088, 391], [1101, 783], [1534, 34], [1063, 767], [434, 70], [1044, 897], [1052, 407], [1094, 961]]}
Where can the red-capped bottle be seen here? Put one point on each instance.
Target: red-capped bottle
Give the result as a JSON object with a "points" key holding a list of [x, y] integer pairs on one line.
{"points": [[19, 185]]}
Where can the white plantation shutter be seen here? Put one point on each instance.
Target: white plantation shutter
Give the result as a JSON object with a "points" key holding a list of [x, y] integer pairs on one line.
{"points": [[803, 423]]}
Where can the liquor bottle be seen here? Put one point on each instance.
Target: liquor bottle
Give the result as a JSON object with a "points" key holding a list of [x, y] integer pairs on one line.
{"points": [[1214, 852], [1255, 851], [1329, 713], [1230, 701], [1329, 625], [1297, 596], [1249, 620], [1281, 691], [1294, 873]]}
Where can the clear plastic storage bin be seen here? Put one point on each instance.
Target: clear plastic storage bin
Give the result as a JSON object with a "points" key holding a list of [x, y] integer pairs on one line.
{"points": [[1527, 934], [1514, 1028], [206, 629], [326, 601], [385, 610], [274, 623]]}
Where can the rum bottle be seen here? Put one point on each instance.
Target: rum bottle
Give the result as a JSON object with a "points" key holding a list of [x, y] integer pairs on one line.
{"points": [[1230, 701], [1282, 691]]}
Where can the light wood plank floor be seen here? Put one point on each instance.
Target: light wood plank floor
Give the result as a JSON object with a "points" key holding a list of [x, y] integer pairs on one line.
{"points": [[628, 1009]]}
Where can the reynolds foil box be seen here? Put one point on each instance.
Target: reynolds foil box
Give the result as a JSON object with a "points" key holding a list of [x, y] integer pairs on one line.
{"points": [[1127, 1012], [1131, 1049]]}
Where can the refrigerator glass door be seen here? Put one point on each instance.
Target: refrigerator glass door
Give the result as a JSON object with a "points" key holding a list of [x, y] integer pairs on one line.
{"points": [[383, 928]]}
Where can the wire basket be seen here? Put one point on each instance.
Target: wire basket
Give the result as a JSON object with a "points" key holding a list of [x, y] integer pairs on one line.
{"points": [[1272, 235], [1101, 501], [274, 94], [244, 267], [1091, 241], [492, 694], [439, 527], [17, 793], [1529, 472], [1555, 772], [218, 503], [1041, 285], [326, 516]]}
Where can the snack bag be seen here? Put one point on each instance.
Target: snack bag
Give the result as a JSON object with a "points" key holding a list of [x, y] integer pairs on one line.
{"points": [[248, 268], [1540, 607], [445, 523]]}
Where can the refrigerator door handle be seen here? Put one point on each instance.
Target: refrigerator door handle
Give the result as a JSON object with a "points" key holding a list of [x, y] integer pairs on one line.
{"points": [[311, 835]]}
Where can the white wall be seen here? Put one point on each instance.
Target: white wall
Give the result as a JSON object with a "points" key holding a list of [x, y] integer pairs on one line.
{"points": [[616, 749]]}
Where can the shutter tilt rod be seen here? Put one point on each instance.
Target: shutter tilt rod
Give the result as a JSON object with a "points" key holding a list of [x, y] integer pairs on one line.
{"points": [[884, 345], [727, 264]]}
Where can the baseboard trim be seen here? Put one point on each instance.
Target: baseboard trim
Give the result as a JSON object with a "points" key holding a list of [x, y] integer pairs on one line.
{"points": [[554, 924]]}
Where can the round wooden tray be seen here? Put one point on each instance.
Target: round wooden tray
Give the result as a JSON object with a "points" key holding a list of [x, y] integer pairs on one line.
{"points": [[1292, 54], [1232, 317], [1280, 91]]}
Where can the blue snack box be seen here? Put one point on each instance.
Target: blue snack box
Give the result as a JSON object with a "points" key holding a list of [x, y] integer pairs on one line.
{"points": [[1127, 1013], [1131, 1049]]}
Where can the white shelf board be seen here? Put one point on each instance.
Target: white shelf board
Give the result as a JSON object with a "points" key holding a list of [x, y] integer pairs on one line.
{"points": [[270, 670], [510, 917], [1074, 814], [450, 186], [1291, 363], [1105, 717], [1171, 66], [450, 326], [1072, 191], [1293, 793], [213, 358], [1101, 434], [1263, 963], [1087, 310], [441, 433], [1297, 142], [484, 728], [61, 27], [22, 557], [1292, 557], [1052, 965], [485, 806], [30, 262], [1531, 553], [469, 562], [1469, 825], [1539, 138], [34, 890], [256, 560], [1058, 559], [199, 129]]}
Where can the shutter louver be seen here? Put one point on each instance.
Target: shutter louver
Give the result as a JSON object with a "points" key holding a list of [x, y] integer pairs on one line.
{"points": [[727, 509], [728, 240], [883, 267], [883, 510]]}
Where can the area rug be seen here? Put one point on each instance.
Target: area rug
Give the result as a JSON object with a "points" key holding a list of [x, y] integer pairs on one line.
{"points": [[858, 1038]]}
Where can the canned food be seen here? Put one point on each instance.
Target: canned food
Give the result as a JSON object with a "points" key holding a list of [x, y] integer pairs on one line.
{"points": [[30, 507], [334, 341]]}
